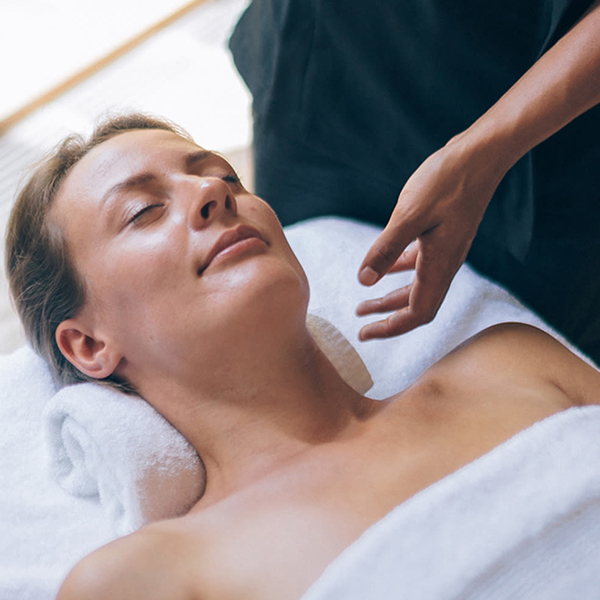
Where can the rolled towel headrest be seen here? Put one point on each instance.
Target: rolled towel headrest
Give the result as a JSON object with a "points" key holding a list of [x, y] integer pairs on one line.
{"points": [[116, 449]]}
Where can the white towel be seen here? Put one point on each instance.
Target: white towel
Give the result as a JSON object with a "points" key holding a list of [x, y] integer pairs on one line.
{"points": [[117, 449], [331, 251], [522, 521], [45, 531]]}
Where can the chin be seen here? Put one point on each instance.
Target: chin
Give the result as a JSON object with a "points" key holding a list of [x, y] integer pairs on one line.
{"points": [[263, 296], [270, 286], [256, 319]]}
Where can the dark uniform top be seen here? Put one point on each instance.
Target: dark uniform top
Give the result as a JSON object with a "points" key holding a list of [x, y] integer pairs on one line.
{"points": [[350, 97]]}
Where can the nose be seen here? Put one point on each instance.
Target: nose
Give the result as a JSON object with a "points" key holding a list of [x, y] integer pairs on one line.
{"points": [[212, 199]]}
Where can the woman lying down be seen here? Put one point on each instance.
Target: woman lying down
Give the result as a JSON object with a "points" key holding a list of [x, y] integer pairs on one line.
{"points": [[138, 258]]}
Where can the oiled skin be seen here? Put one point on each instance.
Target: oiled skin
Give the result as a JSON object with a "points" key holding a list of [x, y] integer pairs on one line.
{"points": [[274, 538]]}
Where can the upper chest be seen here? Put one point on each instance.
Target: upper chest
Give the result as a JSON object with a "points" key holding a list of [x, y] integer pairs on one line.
{"points": [[275, 540]]}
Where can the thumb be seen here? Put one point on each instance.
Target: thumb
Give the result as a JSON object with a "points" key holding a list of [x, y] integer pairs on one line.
{"points": [[383, 254]]}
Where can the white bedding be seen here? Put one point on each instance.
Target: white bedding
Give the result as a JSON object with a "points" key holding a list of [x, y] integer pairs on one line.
{"points": [[45, 531], [521, 522]]}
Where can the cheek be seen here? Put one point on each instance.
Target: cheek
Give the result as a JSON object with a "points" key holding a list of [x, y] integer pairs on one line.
{"points": [[264, 214], [138, 279], [260, 213]]}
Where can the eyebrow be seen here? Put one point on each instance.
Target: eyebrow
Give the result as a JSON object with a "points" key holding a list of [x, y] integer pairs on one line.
{"points": [[131, 182], [140, 179], [198, 156]]}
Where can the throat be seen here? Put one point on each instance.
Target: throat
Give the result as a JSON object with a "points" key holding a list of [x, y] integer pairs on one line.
{"points": [[260, 444]]}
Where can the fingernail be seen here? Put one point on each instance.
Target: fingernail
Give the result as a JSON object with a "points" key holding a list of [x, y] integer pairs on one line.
{"points": [[363, 336], [368, 276]]}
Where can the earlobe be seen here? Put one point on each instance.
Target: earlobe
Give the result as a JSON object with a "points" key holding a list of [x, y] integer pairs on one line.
{"points": [[92, 356]]}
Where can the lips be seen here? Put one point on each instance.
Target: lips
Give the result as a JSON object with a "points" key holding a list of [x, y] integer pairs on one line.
{"points": [[228, 239]]}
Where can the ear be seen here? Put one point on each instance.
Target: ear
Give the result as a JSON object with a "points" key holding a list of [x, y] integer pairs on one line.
{"points": [[91, 354]]}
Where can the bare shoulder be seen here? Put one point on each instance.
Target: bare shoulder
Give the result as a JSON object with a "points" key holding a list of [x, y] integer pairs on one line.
{"points": [[144, 564], [525, 351]]}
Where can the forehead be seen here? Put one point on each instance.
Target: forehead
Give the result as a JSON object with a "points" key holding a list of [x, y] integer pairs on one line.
{"points": [[125, 154]]}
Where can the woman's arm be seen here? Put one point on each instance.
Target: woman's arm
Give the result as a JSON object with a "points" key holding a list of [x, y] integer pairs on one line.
{"points": [[444, 201]]}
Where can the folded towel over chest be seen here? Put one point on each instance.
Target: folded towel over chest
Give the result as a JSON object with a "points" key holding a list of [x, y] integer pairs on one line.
{"points": [[522, 521]]}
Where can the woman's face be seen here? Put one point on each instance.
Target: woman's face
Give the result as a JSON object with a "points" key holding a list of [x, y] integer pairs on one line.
{"points": [[181, 264]]}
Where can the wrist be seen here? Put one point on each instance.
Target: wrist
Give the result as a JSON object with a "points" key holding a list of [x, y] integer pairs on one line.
{"points": [[489, 146]]}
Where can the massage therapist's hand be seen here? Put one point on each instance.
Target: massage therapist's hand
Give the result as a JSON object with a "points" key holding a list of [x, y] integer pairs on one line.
{"points": [[444, 201], [440, 208]]}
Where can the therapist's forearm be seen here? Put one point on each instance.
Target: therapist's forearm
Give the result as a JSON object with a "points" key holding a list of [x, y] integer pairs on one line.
{"points": [[561, 85]]}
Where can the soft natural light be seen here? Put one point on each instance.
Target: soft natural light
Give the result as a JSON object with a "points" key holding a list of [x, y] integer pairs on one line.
{"points": [[182, 70], [45, 42]]}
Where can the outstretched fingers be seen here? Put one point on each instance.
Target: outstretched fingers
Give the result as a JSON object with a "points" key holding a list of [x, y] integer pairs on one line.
{"points": [[385, 253], [416, 304], [407, 260], [395, 300], [398, 323]]}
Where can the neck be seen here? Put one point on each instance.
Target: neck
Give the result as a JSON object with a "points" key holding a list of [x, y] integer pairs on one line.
{"points": [[262, 412]]}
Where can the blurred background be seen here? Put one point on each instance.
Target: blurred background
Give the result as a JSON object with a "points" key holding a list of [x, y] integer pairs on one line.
{"points": [[66, 62]]}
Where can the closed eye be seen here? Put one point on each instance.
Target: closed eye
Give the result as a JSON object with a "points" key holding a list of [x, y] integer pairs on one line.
{"points": [[231, 178], [140, 213]]}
